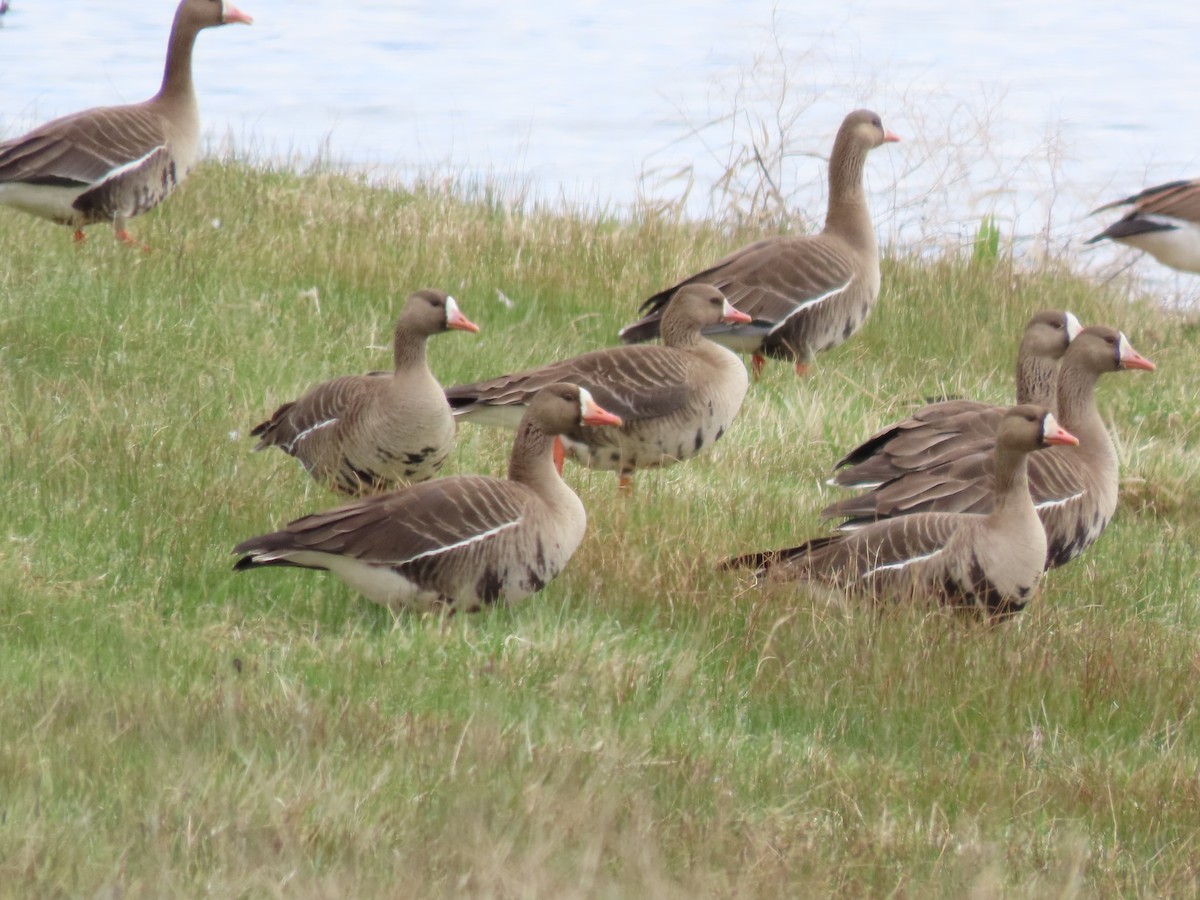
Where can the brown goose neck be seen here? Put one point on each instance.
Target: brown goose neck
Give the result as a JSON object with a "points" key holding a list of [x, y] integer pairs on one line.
{"points": [[177, 74], [408, 349], [532, 462], [678, 331], [1077, 399], [1011, 480], [1035, 381], [848, 215]]}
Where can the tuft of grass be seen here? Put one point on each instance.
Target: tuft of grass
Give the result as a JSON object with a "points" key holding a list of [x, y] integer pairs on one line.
{"points": [[644, 726]]}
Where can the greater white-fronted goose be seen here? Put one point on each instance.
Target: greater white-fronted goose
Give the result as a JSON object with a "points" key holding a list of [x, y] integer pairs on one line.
{"points": [[1164, 221], [367, 433], [458, 543], [111, 163], [675, 399], [803, 294], [991, 562], [946, 430], [1074, 488]]}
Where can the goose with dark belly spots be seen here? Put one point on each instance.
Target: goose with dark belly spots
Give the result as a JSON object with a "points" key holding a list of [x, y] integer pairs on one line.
{"points": [[803, 294], [112, 163], [366, 433], [457, 543], [990, 562], [946, 430], [1074, 488], [675, 399]]}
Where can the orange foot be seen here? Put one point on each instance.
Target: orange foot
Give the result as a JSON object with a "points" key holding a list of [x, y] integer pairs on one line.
{"points": [[130, 241], [560, 453], [625, 483], [79, 236], [757, 361], [801, 369]]}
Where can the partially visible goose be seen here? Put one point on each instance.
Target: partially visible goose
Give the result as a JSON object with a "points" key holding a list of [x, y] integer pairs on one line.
{"points": [[1164, 221], [803, 294], [366, 433], [458, 543], [992, 562], [675, 399], [1074, 488], [111, 163], [945, 430]]}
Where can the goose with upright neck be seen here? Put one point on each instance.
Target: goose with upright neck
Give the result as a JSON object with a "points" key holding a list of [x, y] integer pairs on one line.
{"points": [[803, 294], [991, 562], [1074, 488], [459, 543], [675, 399], [367, 433], [946, 430], [111, 163]]}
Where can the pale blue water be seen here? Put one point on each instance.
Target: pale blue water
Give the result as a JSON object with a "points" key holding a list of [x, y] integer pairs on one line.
{"points": [[1035, 111]]}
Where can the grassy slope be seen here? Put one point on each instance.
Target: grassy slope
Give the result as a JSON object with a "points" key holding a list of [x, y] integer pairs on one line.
{"points": [[644, 726]]}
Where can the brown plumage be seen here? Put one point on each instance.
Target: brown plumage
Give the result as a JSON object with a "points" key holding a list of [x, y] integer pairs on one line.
{"points": [[991, 561], [366, 433], [675, 399], [458, 543], [112, 163], [949, 429], [803, 294], [1073, 488], [1163, 221]]}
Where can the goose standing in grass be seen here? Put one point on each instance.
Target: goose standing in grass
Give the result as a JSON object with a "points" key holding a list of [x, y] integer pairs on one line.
{"points": [[803, 294], [675, 399], [1074, 488], [946, 430], [111, 163], [458, 543], [1164, 221], [991, 562], [366, 433]]}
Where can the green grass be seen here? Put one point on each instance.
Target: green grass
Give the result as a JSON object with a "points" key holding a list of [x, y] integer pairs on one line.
{"points": [[645, 726]]}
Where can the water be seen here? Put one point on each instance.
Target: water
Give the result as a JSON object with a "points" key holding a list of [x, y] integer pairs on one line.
{"points": [[1033, 111]]}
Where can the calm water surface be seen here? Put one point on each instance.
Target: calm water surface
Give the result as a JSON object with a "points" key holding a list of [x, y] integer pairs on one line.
{"points": [[1034, 111]]}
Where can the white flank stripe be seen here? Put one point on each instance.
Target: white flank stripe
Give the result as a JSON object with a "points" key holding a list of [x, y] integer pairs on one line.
{"points": [[307, 431], [813, 302], [132, 164], [1047, 504], [903, 563], [473, 539]]}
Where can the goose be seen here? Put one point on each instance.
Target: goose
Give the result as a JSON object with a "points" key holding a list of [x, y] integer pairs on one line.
{"points": [[803, 294], [366, 433], [990, 562], [1074, 488], [1164, 221], [111, 163], [458, 543], [675, 399], [941, 431]]}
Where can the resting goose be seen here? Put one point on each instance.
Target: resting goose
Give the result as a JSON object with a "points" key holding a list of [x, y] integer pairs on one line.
{"points": [[675, 399], [366, 433], [945, 430], [1074, 488], [1164, 221], [803, 294], [111, 163], [458, 543], [991, 562]]}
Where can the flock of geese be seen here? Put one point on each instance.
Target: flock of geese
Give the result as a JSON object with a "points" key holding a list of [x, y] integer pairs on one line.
{"points": [[964, 502]]}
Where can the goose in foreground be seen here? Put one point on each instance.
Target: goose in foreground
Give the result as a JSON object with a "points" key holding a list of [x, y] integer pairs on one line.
{"points": [[1074, 488], [366, 433], [675, 399], [803, 294], [946, 430], [459, 543], [1164, 221], [111, 163], [991, 562]]}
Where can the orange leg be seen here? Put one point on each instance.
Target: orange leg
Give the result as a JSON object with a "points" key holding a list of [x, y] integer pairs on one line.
{"points": [[79, 236], [130, 241], [560, 453], [801, 369], [625, 483], [757, 361]]}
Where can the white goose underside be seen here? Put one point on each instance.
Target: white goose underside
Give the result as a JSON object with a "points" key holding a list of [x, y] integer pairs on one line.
{"points": [[1177, 247], [45, 201]]}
